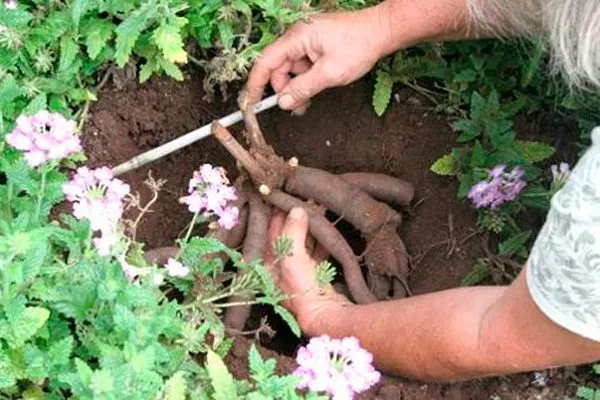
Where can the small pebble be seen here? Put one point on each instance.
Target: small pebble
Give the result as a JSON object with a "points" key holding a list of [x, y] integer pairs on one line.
{"points": [[412, 100], [540, 379], [328, 143]]}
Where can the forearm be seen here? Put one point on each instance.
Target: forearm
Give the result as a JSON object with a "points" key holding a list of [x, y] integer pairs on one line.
{"points": [[459, 334], [404, 23], [431, 337]]}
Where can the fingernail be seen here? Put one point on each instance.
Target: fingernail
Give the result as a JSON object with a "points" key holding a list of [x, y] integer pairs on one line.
{"points": [[286, 101], [297, 213]]}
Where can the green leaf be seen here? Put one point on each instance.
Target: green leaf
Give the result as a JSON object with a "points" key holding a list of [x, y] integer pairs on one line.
{"points": [[38, 103], [60, 352], [7, 377], [479, 273], [68, 52], [533, 152], [512, 245], [97, 33], [171, 70], [288, 318], [445, 165], [222, 382], [78, 8], [175, 387], [130, 30], [30, 321], [169, 40], [102, 382], [383, 92], [477, 155]]}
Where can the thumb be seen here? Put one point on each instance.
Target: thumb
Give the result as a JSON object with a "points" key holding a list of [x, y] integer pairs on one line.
{"points": [[296, 228], [304, 86]]}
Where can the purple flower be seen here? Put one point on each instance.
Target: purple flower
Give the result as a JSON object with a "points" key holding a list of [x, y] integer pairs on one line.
{"points": [[339, 367], [499, 188], [209, 194], [44, 136]]}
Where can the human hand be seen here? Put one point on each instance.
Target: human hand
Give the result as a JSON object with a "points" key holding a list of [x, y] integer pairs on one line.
{"points": [[327, 50], [295, 273]]}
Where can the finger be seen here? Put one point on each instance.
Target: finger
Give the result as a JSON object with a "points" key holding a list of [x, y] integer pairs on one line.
{"points": [[286, 48], [304, 86], [281, 76], [301, 66], [296, 228], [320, 253]]}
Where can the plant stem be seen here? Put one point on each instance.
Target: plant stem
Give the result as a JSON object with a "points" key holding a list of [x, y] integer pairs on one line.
{"points": [[38, 209], [189, 231]]}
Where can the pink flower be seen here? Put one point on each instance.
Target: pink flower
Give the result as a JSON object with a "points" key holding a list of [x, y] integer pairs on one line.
{"points": [[229, 217], [44, 136], [210, 193], [176, 269], [339, 367], [10, 4], [96, 196]]}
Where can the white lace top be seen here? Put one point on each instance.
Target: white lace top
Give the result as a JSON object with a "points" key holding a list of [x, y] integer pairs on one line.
{"points": [[563, 271]]}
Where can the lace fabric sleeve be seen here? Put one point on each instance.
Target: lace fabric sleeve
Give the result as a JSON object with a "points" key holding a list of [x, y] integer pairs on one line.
{"points": [[563, 272]]}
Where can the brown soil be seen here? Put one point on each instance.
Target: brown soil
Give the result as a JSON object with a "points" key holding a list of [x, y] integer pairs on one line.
{"points": [[339, 133]]}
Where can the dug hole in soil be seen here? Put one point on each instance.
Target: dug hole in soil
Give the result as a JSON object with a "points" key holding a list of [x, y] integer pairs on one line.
{"points": [[339, 133]]}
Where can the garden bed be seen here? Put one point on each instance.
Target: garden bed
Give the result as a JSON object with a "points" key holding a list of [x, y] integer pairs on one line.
{"points": [[339, 133]]}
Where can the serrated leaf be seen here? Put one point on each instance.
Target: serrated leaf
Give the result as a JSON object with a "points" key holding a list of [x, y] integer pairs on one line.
{"points": [[445, 165], [14, 18], [477, 155], [30, 321], [97, 33], [9, 91], [222, 382], [383, 92], [129, 31], [175, 387], [171, 70], [170, 42], [68, 52], [60, 352], [38, 103], [146, 72], [533, 152], [78, 8], [512, 245]]}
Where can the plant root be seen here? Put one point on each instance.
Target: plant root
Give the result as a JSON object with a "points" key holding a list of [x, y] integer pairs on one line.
{"points": [[360, 198], [255, 246], [333, 241], [382, 187]]}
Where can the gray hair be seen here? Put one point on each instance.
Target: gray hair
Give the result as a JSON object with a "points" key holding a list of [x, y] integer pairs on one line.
{"points": [[572, 27]]}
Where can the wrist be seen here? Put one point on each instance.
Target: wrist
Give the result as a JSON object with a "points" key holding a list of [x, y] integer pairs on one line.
{"points": [[328, 316]]}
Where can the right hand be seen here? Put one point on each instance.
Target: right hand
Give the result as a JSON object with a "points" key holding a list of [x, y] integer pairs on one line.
{"points": [[295, 273], [324, 51]]}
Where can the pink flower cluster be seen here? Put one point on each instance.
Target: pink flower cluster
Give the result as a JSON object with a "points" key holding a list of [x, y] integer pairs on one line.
{"points": [[499, 188], [339, 367], [97, 196], [44, 136], [209, 193], [10, 4]]}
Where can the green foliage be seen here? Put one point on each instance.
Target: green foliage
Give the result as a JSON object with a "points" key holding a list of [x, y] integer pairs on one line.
{"points": [[282, 246], [589, 393], [445, 165], [483, 86], [383, 91], [325, 272], [58, 51], [72, 325]]}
